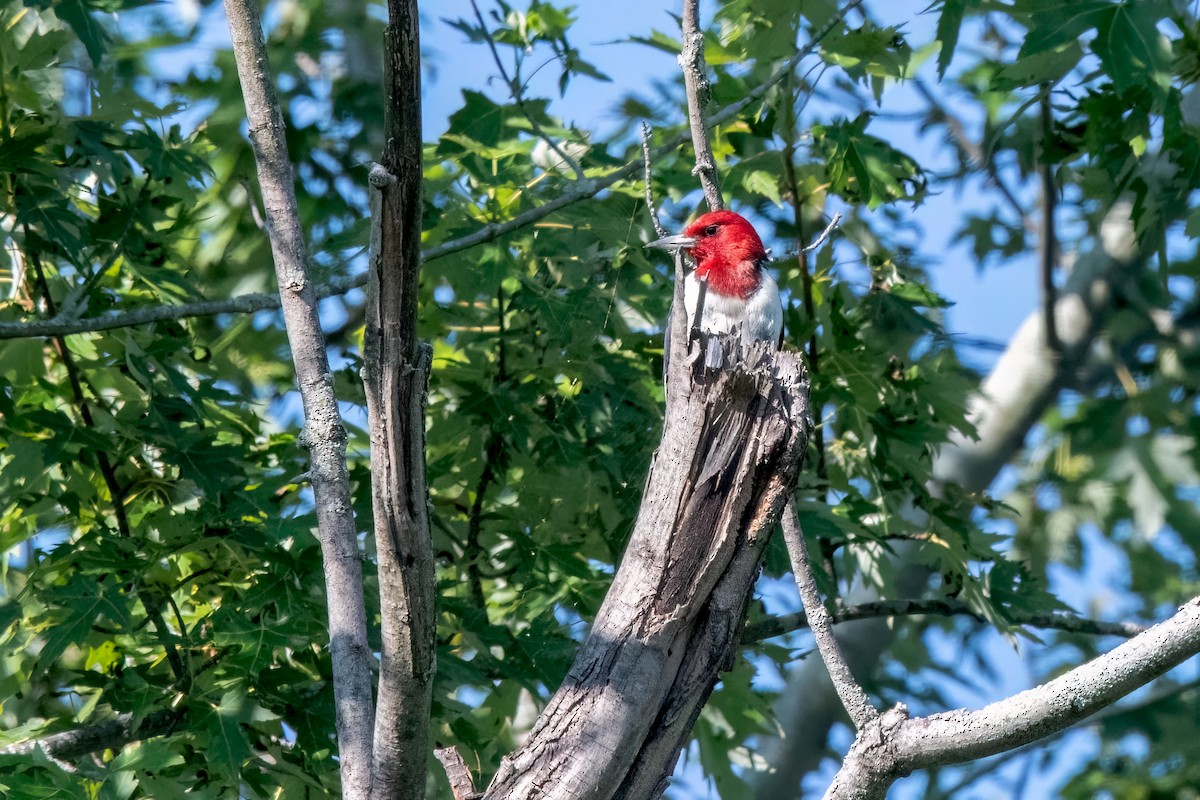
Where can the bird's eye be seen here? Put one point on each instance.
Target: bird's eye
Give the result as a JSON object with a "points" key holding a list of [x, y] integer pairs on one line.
{"points": [[711, 230]]}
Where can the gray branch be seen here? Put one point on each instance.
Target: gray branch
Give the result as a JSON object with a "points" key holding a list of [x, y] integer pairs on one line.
{"points": [[853, 698], [1068, 623], [728, 459], [112, 734], [897, 745], [396, 372], [1049, 238], [659, 230], [698, 90], [324, 432], [462, 785], [1021, 387]]}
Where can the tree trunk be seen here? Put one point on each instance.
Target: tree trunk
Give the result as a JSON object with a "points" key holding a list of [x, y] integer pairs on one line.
{"points": [[729, 457]]}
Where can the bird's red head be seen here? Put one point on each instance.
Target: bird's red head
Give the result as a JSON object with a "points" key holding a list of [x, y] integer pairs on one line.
{"points": [[727, 252]]}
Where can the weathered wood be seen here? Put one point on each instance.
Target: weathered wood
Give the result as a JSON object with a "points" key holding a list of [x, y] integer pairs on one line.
{"points": [[462, 785], [396, 370], [728, 459]]}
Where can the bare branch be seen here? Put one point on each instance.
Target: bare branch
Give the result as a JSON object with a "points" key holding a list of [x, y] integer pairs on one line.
{"points": [[1021, 386], [1068, 623], [670, 621], [578, 190], [698, 89], [658, 227], [1157, 695], [897, 745], [112, 734], [323, 430], [854, 699], [957, 736], [1049, 239], [820, 240], [395, 373]]}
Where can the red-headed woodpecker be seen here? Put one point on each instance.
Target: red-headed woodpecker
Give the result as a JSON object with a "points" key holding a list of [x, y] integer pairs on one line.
{"points": [[741, 296]]}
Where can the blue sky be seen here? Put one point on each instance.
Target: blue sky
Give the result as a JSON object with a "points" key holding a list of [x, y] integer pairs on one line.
{"points": [[989, 304]]}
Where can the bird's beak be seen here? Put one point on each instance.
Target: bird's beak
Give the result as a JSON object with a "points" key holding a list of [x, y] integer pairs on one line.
{"points": [[672, 243]]}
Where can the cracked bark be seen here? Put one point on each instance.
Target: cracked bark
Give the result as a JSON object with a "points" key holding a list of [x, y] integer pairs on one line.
{"points": [[728, 459], [396, 371]]}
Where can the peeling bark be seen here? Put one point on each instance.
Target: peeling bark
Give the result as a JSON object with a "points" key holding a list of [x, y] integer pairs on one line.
{"points": [[396, 371], [728, 459]]}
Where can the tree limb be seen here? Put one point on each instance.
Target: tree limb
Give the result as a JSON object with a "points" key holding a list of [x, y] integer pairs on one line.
{"points": [[853, 698], [112, 734], [1022, 385], [897, 745], [1068, 623], [462, 785], [1049, 238], [396, 371], [729, 457], [323, 430], [698, 90]]}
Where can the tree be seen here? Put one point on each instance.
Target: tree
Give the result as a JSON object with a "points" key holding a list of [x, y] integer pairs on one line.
{"points": [[164, 600]]}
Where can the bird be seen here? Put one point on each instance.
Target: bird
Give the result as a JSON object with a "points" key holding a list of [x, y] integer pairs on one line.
{"points": [[741, 297]]}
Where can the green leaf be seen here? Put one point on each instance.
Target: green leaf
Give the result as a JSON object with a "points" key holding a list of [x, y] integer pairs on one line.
{"points": [[77, 14], [228, 748], [1131, 48], [949, 24], [918, 295], [1047, 66], [1059, 22]]}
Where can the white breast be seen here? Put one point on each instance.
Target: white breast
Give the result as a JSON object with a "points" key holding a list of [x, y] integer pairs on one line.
{"points": [[758, 317]]}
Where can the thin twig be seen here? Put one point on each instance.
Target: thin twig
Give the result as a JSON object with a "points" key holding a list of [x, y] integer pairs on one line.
{"points": [[974, 153], [70, 303], [516, 89], [833, 223], [576, 191], [659, 230], [853, 698], [1049, 238], [117, 493], [1068, 623], [699, 92]]}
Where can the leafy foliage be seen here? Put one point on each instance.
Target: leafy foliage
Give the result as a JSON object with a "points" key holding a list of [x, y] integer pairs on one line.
{"points": [[159, 535]]}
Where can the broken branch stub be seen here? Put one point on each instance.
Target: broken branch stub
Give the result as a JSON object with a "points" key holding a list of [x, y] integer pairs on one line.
{"points": [[729, 456]]}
